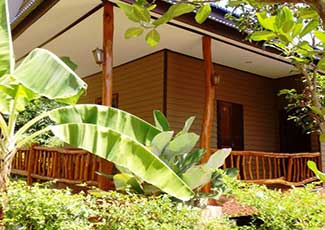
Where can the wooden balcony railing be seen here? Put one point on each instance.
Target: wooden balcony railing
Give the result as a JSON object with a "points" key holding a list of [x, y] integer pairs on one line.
{"points": [[77, 166], [273, 168], [65, 165]]}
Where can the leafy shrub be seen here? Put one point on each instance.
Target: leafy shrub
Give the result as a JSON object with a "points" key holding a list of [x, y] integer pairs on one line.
{"points": [[42, 207], [297, 208], [32, 110]]}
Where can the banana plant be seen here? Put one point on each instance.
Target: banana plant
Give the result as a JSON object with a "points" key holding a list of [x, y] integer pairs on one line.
{"points": [[41, 74], [109, 133], [176, 152]]}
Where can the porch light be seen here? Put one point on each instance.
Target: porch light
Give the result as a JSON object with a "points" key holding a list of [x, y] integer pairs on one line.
{"points": [[98, 56]]}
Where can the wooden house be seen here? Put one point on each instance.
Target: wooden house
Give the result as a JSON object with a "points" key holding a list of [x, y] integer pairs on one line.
{"points": [[247, 113]]}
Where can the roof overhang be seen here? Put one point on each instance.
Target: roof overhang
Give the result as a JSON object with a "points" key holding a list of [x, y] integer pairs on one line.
{"points": [[74, 29]]}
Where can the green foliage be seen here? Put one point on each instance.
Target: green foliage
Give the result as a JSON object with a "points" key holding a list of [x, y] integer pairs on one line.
{"points": [[297, 32], [176, 152], [312, 166], [139, 13], [40, 75], [42, 207], [121, 138], [297, 208], [34, 109]]}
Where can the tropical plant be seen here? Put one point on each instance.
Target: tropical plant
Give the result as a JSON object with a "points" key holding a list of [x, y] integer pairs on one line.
{"points": [[41, 74], [109, 133], [177, 152], [313, 166]]}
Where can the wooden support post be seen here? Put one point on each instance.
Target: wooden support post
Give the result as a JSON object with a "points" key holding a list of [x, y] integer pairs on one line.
{"points": [[209, 107], [108, 31]]}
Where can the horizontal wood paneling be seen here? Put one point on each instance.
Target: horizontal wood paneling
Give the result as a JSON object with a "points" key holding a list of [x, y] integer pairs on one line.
{"points": [[139, 85], [185, 97]]}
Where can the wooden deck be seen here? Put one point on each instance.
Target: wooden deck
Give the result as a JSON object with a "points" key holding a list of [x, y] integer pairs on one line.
{"points": [[74, 166]]}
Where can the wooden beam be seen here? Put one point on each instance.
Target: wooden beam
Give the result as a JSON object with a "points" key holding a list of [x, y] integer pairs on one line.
{"points": [[25, 22], [209, 106], [108, 33]]}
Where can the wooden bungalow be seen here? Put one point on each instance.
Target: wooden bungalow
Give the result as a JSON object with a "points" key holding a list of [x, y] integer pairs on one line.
{"points": [[206, 70]]}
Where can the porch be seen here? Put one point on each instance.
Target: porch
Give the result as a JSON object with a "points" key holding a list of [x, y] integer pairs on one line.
{"points": [[75, 166]]}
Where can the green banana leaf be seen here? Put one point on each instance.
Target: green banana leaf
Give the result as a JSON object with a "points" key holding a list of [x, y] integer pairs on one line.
{"points": [[160, 142], [110, 117], [126, 152], [6, 50], [46, 75], [200, 175]]}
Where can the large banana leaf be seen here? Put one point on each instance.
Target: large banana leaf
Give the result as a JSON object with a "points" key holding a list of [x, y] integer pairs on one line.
{"points": [[115, 119], [6, 51], [126, 152], [46, 75]]}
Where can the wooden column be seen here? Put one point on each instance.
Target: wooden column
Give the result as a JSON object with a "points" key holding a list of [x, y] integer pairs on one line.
{"points": [[108, 31], [209, 106]]}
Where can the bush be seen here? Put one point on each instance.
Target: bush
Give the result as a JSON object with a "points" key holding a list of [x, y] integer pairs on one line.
{"points": [[297, 208], [42, 207]]}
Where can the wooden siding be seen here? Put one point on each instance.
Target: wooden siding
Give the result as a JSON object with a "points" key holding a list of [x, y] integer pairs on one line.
{"points": [[139, 85], [185, 97]]}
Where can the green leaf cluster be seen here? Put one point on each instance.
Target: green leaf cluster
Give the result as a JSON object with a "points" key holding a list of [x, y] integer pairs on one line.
{"points": [[297, 208], [177, 153], [139, 13], [43, 207]]}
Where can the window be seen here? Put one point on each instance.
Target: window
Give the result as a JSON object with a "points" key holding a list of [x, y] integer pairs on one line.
{"points": [[230, 125]]}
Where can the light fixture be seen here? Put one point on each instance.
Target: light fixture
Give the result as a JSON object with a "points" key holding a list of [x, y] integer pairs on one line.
{"points": [[98, 56], [216, 79]]}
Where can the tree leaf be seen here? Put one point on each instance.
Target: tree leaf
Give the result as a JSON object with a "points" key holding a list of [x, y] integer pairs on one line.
{"points": [[141, 12], [126, 152], [320, 35], [128, 11], [47, 75], [309, 27], [296, 29], [153, 38], [262, 35], [173, 12], [133, 32], [203, 13], [321, 64], [308, 13], [161, 121], [265, 21], [6, 51]]}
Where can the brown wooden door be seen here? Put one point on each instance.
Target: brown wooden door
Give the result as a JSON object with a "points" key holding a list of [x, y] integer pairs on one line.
{"points": [[230, 125]]}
